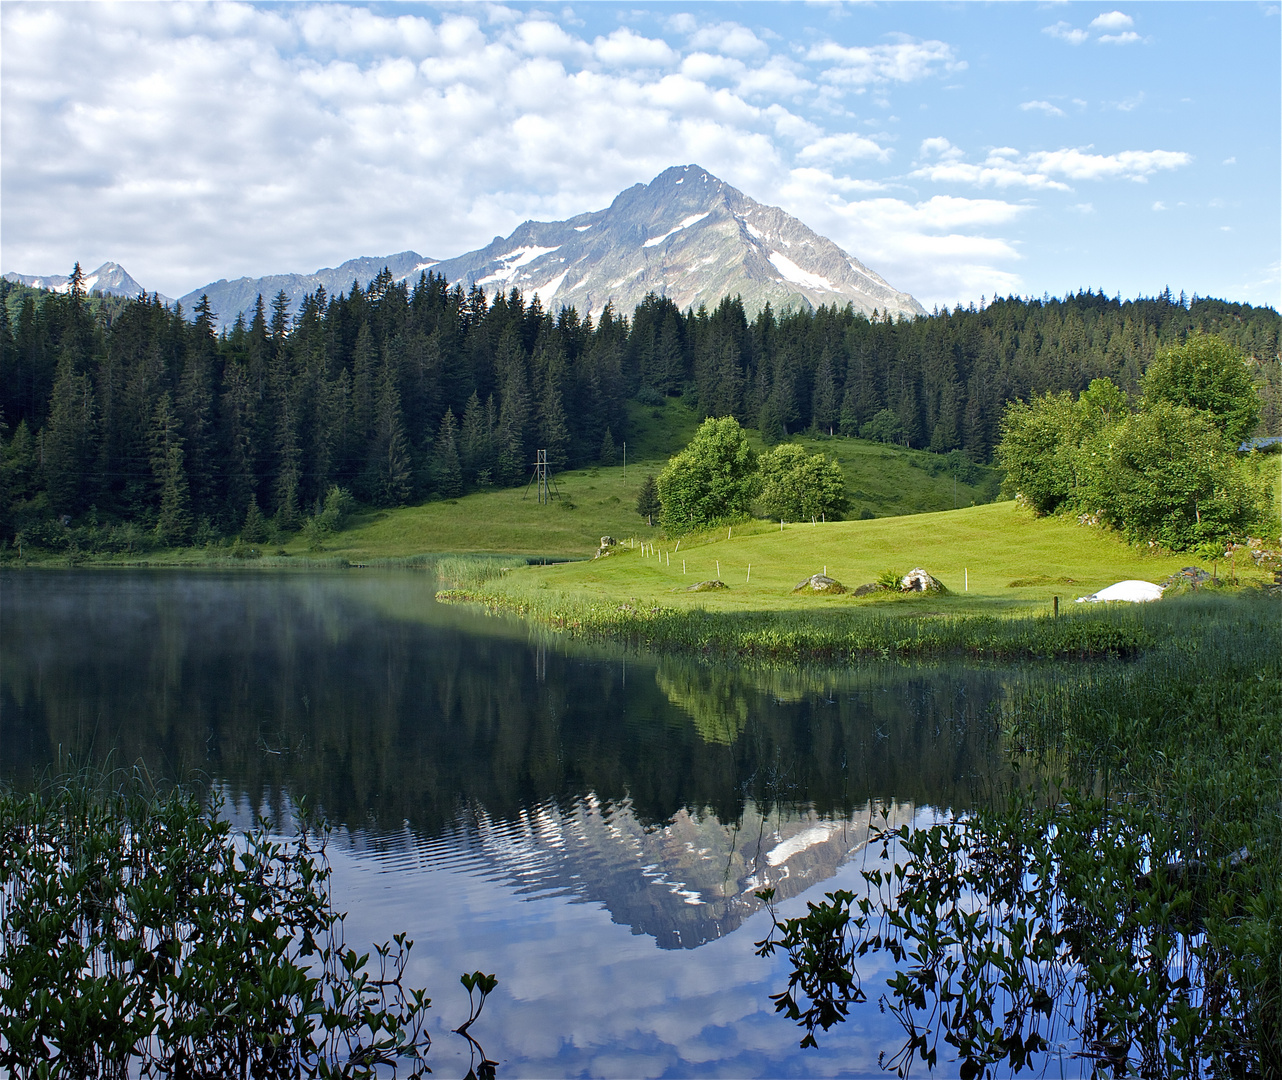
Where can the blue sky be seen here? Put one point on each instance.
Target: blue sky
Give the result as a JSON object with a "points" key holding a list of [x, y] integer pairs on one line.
{"points": [[961, 150]]}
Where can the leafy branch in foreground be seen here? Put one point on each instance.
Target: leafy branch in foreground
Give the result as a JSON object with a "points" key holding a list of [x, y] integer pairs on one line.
{"points": [[1140, 930], [1046, 923], [140, 935]]}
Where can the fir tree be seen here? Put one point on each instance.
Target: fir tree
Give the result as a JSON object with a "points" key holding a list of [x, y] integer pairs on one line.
{"points": [[389, 465], [608, 454], [173, 523], [648, 504], [254, 531], [449, 473]]}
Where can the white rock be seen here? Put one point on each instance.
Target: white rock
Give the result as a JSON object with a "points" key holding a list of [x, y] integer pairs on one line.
{"points": [[1130, 592]]}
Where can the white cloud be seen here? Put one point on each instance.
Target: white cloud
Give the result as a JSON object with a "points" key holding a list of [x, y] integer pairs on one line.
{"points": [[903, 62], [1229, 161], [1006, 167], [1042, 106], [933, 248], [1065, 32], [729, 38], [626, 48], [940, 147], [846, 147], [1128, 38], [1112, 20], [1159, 205]]}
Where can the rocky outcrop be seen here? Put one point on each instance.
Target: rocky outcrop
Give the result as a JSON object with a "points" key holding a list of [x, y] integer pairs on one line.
{"points": [[707, 586], [820, 583], [918, 580]]}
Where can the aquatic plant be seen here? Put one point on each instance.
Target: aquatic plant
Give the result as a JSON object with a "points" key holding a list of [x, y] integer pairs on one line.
{"points": [[141, 935], [1130, 912]]}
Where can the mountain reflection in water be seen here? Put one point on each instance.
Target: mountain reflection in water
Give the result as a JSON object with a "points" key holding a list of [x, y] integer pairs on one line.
{"points": [[451, 749]]}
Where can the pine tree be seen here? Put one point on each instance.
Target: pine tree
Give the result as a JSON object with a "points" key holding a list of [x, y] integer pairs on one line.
{"points": [[173, 523], [825, 411], [554, 434], [648, 504], [608, 454], [475, 449], [254, 531], [389, 469], [449, 473], [69, 441]]}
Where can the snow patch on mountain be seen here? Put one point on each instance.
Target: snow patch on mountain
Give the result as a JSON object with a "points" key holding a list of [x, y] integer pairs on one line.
{"points": [[792, 272], [513, 261], [546, 291], [655, 241]]}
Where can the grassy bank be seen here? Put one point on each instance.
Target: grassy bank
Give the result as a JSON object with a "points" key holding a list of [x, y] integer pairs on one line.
{"points": [[993, 559]]}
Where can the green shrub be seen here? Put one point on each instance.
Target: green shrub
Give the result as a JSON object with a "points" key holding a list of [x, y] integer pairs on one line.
{"points": [[140, 934]]}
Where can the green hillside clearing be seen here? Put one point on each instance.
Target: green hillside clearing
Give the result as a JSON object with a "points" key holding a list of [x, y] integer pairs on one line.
{"points": [[996, 558]]}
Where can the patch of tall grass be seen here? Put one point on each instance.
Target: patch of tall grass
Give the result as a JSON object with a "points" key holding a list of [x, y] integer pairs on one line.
{"points": [[798, 638], [473, 571]]}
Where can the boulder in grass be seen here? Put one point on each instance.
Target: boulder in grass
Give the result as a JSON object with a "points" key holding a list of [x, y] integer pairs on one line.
{"points": [[1191, 577], [917, 580], [607, 543], [1127, 592], [869, 589], [820, 583], [707, 586]]}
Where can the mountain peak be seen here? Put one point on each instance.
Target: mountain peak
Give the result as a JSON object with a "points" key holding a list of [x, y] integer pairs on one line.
{"points": [[687, 235], [110, 279]]}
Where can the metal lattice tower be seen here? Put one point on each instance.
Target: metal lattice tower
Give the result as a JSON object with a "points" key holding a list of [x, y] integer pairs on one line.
{"points": [[543, 476]]}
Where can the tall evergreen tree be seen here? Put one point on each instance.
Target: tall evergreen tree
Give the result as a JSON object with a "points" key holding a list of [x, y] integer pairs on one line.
{"points": [[446, 466], [173, 522]]}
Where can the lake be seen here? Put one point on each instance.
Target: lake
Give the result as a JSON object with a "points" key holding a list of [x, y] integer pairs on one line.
{"points": [[587, 825]]}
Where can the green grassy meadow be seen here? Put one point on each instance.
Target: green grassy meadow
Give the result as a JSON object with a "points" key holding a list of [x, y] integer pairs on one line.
{"points": [[996, 559], [601, 501]]}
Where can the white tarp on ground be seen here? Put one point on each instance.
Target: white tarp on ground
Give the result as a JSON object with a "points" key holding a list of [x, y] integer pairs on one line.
{"points": [[1131, 592]]}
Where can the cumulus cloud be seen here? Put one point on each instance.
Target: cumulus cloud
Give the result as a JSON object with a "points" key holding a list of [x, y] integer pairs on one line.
{"points": [[903, 61], [728, 38], [936, 248], [1112, 20], [1042, 106], [941, 148], [1005, 167], [1127, 38], [1066, 32], [627, 48], [846, 147]]}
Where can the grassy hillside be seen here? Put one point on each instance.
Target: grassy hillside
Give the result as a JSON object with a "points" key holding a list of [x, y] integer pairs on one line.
{"points": [[996, 558], [884, 480]]}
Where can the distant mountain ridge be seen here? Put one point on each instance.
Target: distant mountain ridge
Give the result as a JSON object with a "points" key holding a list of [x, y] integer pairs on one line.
{"points": [[686, 235], [230, 298], [110, 279]]}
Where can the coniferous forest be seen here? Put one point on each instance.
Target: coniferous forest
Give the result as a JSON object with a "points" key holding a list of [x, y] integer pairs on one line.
{"points": [[145, 424]]}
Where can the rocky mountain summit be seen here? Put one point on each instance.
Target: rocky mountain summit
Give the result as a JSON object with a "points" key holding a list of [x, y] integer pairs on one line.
{"points": [[686, 235], [110, 279]]}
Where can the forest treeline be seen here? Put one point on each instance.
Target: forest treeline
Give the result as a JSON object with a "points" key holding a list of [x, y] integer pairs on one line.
{"points": [[148, 422]]}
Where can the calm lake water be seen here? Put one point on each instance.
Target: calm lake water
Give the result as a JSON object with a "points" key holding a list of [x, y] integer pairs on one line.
{"points": [[589, 827]]}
